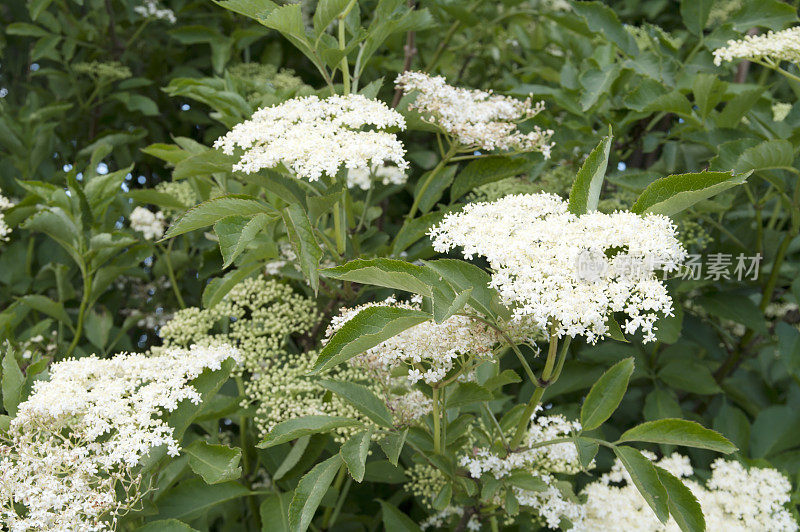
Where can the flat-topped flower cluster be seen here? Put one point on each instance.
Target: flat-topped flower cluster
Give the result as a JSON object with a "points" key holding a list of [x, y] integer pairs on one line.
{"points": [[474, 118], [311, 136], [74, 443], [734, 499], [773, 46], [540, 253]]}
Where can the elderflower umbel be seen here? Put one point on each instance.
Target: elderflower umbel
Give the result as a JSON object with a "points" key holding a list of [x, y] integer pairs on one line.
{"points": [[772, 47], [75, 441], [386, 174], [150, 224], [550, 505], [151, 9], [5, 230], [734, 499], [310, 136], [565, 271], [476, 119]]}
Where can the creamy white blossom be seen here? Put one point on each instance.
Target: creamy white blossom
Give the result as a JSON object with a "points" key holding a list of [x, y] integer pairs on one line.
{"points": [[734, 499], [150, 224], [151, 9], [772, 47], [77, 438], [5, 230], [386, 174], [569, 272], [476, 119], [311, 136]]}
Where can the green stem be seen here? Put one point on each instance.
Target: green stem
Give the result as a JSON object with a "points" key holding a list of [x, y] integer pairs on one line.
{"points": [[547, 373], [171, 273], [87, 289], [439, 49], [244, 443], [437, 427], [340, 502], [337, 485], [428, 181], [344, 66]]}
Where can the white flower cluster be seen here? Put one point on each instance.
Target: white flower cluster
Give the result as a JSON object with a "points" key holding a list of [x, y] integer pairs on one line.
{"points": [[780, 110], [5, 230], [476, 119], [150, 224], [734, 499], [76, 439], [566, 271], [387, 174], [310, 136], [773, 46], [551, 505], [151, 9], [428, 350]]}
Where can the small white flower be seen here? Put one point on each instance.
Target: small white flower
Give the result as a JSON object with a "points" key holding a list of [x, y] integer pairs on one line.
{"points": [[310, 136], [150, 224], [150, 9]]}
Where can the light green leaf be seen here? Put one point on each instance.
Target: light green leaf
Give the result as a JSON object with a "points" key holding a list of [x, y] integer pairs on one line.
{"points": [[430, 194], [294, 456], [292, 429], [486, 170], [392, 444], [365, 330], [689, 375], [585, 193], [309, 493], [769, 155], [708, 90], [236, 232], [467, 393], [301, 235], [673, 194], [214, 463], [466, 276], [395, 520], [354, 453], [646, 480], [274, 512], [770, 14], [447, 302], [508, 376], [683, 505], [205, 163], [191, 498], [213, 210], [166, 525], [695, 14], [603, 20], [595, 83], [362, 399], [45, 305], [587, 450], [389, 273], [606, 394], [327, 11], [216, 290], [13, 380], [678, 432], [443, 498], [526, 481]]}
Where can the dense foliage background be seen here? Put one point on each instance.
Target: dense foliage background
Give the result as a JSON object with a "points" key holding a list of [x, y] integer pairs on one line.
{"points": [[103, 109]]}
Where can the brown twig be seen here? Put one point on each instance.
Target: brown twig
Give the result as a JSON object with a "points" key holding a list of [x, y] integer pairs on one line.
{"points": [[409, 50]]}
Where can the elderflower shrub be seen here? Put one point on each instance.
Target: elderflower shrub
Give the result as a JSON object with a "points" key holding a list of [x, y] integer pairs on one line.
{"points": [[385, 174], [75, 442], [772, 47], [476, 119], [5, 230], [150, 224], [734, 498], [311, 136], [565, 271]]}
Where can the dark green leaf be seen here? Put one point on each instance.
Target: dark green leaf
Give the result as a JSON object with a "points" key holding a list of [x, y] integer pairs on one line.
{"points": [[389, 273], [12, 382], [235, 232], [486, 170], [215, 463], [309, 493], [274, 512], [292, 429], [678, 432], [301, 235], [606, 394], [467, 393], [646, 480], [192, 498], [675, 193], [585, 193], [362, 399], [209, 212], [354, 453], [365, 330], [683, 505], [392, 445], [395, 520]]}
